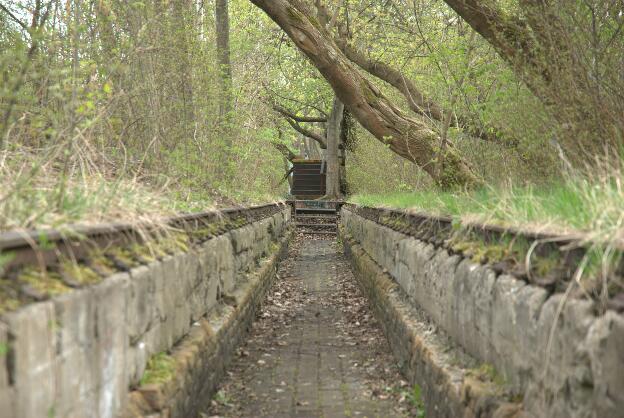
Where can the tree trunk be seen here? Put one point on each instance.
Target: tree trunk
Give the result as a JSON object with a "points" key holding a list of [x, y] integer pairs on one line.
{"points": [[345, 132], [510, 36], [222, 21], [543, 51], [332, 179], [408, 137], [182, 12], [416, 100]]}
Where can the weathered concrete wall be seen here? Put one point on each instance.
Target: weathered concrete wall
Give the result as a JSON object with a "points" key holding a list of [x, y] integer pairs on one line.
{"points": [[560, 357], [201, 357], [78, 354]]}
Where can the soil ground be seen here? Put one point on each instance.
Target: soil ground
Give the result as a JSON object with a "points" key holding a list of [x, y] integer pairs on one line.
{"points": [[315, 349]]}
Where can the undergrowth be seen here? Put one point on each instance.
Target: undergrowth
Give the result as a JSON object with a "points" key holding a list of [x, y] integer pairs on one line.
{"points": [[595, 207], [588, 205], [160, 369], [42, 191]]}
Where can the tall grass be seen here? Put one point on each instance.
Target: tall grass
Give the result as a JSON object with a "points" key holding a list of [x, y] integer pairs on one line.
{"points": [[51, 188], [591, 203]]}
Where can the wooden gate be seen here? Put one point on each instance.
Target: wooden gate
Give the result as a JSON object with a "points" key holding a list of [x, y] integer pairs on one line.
{"points": [[308, 179]]}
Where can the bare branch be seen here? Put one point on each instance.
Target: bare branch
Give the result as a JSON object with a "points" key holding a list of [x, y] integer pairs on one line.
{"points": [[13, 17], [289, 114], [305, 132], [285, 150], [416, 100], [290, 99]]}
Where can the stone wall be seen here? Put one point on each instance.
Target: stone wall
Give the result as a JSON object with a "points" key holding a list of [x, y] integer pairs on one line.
{"points": [[78, 354], [555, 354]]}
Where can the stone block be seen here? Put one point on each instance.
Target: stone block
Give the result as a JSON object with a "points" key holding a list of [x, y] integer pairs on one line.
{"points": [[141, 303], [527, 305], [506, 328], [242, 238], [75, 316], [459, 315], [561, 379], [186, 269], [137, 356], [482, 288], [262, 239], [605, 347], [224, 254], [287, 215], [437, 296], [205, 296], [167, 294], [7, 391], [274, 229], [110, 344], [33, 336]]}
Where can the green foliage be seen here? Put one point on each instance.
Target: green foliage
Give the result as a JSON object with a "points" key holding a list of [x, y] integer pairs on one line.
{"points": [[44, 243], [160, 369], [121, 98], [574, 205], [223, 398], [487, 372], [415, 398], [117, 114], [6, 258], [42, 282]]}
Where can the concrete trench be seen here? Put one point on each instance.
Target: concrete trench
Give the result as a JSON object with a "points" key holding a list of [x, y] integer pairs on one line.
{"points": [[315, 350], [264, 321]]}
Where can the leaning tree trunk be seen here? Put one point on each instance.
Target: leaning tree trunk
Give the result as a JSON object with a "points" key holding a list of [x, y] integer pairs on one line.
{"points": [[408, 137], [542, 51], [332, 180]]}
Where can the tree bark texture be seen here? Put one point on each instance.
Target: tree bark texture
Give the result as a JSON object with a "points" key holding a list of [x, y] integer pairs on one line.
{"points": [[416, 100], [406, 136], [332, 179], [182, 10], [543, 53], [222, 23]]}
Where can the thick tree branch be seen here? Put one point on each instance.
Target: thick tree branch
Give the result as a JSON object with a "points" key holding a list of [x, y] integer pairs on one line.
{"points": [[310, 134], [285, 150], [13, 17], [408, 137], [510, 36], [416, 100], [542, 49], [302, 119]]}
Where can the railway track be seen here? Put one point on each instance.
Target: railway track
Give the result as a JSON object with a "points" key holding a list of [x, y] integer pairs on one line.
{"points": [[549, 260], [35, 264], [34, 247]]}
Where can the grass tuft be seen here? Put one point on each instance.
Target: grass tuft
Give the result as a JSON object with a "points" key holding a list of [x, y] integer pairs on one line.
{"points": [[594, 208], [160, 369]]}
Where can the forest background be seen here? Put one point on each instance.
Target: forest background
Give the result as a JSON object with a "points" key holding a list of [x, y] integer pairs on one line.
{"points": [[137, 109]]}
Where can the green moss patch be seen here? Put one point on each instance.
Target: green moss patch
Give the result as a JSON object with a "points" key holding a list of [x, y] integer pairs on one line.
{"points": [[79, 272], [160, 369], [44, 283]]}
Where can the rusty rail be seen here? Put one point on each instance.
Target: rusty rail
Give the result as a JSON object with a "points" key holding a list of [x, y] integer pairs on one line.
{"points": [[44, 247], [440, 231]]}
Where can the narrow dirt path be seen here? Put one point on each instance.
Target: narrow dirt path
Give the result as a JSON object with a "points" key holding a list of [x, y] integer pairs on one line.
{"points": [[315, 350]]}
